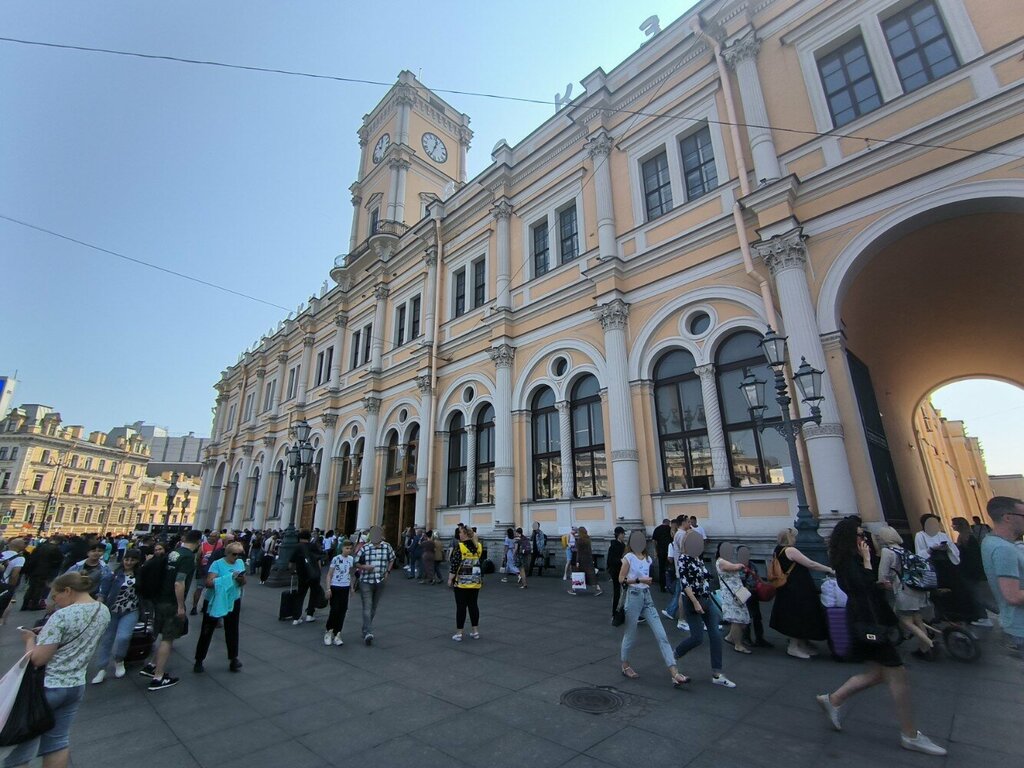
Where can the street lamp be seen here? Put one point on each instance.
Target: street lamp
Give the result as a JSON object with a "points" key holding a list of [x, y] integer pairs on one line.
{"points": [[808, 381], [300, 458], [172, 491]]}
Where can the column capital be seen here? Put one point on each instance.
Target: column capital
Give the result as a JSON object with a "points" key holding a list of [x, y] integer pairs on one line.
{"points": [[503, 355], [465, 135], [399, 164], [247, 449], [330, 420], [356, 200], [222, 398], [268, 441], [502, 209], [613, 314], [834, 341], [423, 384], [742, 49], [471, 429], [600, 144], [812, 431], [405, 94], [364, 136], [381, 292], [282, 358], [562, 406], [706, 371], [782, 252], [371, 404], [308, 340], [431, 256], [261, 372], [341, 319]]}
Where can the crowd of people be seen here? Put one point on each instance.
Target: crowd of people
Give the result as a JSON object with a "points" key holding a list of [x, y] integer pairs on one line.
{"points": [[98, 591]]}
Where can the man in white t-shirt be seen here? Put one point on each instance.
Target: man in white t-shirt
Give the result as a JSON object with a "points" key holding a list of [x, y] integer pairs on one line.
{"points": [[12, 560], [698, 528]]}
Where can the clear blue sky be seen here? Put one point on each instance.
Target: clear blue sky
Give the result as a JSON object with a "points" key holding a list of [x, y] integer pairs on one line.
{"points": [[242, 178]]}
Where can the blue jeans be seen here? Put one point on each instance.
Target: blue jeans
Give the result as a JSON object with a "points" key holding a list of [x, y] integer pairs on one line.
{"points": [[711, 617], [639, 601], [116, 638], [64, 703], [673, 607]]}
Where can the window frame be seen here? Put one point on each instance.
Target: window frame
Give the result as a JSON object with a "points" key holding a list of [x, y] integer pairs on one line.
{"points": [[400, 315], [456, 474], [593, 406], [676, 382], [459, 292], [707, 187], [838, 51], [550, 459], [479, 270], [905, 11], [647, 192], [540, 269], [573, 238], [483, 492]]}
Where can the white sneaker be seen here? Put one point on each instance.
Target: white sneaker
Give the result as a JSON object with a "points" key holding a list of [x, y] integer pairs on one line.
{"points": [[338, 640], [119, 670], [309, 619], [831, 710], [683, 625], [457, 638], [100, 677], [723, 681], [296, 622], [328, 638], [665, 613], [921, 743], [797, 653], [982, 623]]}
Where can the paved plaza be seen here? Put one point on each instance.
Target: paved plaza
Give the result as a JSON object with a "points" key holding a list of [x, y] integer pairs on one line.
{"points": [[418, 699]]}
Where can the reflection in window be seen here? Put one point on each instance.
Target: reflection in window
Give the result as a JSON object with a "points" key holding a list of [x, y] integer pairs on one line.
{"points": [[547, 446], [485, 456], [682, 430], [456, 461], [920, 46], [588, 455]]}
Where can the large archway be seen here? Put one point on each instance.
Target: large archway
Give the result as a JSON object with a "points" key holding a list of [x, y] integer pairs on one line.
{"points": [[931, 300]]}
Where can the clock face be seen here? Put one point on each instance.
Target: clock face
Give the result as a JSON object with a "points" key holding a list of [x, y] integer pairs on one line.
{"points": [[434, 148], [382, 144]]}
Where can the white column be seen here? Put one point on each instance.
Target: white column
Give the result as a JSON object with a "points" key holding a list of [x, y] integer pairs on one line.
{"points": [[205, 490], [471, 463], [405, 97], [392, 189], [364, 517], [502, 212], [353, 238], [429, 296], [713, 420], [261, 385], [221, 417], [307, 363], [279, 387], [504, 471], [323, 486], [260, 515], [380, 293], [337, 363], [238, 511], [742, 56], [786, 258], [600, 148], [423, 460], [465, 135], [400, 175], [565, 447], [625, 458]]}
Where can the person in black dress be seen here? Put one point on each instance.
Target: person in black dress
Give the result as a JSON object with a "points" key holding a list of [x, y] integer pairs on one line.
{"points": [[797, 612], [662, 538], [616, 551], [874, 629]]}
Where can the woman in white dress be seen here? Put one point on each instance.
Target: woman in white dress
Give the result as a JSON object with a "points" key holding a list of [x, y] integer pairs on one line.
{"points": [[734, 610]]}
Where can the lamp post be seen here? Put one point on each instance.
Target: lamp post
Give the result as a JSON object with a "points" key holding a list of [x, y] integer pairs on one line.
{"points": [[184, 507], [300, 458], [808, 381], [172, 491]]}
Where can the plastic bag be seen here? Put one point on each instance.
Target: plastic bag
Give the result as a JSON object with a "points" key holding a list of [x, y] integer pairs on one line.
{"points": [[831, 594], [31, 715], [9, 685]]}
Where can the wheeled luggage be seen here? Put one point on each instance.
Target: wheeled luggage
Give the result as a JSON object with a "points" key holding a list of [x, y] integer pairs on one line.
{"points": [[290, 606]]}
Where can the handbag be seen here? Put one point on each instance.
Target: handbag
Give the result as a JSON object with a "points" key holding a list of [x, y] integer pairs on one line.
{"points": [[579, 581], [619, 614], [30, 715], [741, 595]]}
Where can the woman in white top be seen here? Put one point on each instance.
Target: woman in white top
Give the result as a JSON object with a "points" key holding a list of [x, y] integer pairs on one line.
{"points": [[931, 538], [339, 579], [635, 576]]}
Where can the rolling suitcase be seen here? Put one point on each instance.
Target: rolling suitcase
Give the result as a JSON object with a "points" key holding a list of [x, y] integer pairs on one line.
{"points": [[290, 606], [840, 641], [140, 645]]}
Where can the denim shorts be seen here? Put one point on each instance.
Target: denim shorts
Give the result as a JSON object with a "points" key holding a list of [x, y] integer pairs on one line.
{"points": [[64, 703]]}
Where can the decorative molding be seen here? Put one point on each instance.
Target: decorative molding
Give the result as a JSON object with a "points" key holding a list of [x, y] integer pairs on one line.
{"points": [[782, 252], [247, 449], [502, 209], [371, 404], [381, 292], [813, 431], [341, 320], [405, 95], [431, 256], [562, 406], [423, 384], [613, 314], [308, 340], [398, 163], [706, 372], [834, 341], [356, 200], [600, 144], [330, 420], [625, 455], [503, 355], [745, 48], [282, 358], [504, 471], [268, 441], [465, 135], [470, 429], [261, 372]]}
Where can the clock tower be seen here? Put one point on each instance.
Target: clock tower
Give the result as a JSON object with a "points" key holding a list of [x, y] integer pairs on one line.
{"points": [[413, 146]]}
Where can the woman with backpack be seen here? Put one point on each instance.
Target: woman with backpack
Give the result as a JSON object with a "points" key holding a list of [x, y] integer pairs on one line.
{"points": [[465, 577], [123, 603], [907, 601], [797, 612], [523, 549], [873, 626]]}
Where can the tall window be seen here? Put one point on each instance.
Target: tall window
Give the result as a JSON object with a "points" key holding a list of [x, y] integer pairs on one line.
{"points": [[547, 446], [588, 456], [754, 457], [457, 450], [657, 186], [400, 325], [412, 450], [460, 293], [699, 172], [324, 360], [414, 317], [682, 430], [14, 453], [248, 406], [367, 341], [357, 462], [103, 465], [374, 220], [81, 487], [268, 395], [849, 83], [279, 478], [394, 463], [568, 234], [67, 484], [485, 456], [479, 283], [540, 248], [346, 466], [37, 483], [920, 45], [356, 346], [255, 492], [3, 454]]}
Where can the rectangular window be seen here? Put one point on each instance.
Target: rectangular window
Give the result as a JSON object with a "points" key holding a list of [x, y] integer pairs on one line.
{"points": [[67, 484], [248, 407], [367, 341], [356, 335], [374, 220], [920, 45], [849, 82], [74, 462], [479, 283], [95, 487], [3, 454], [268, 395], [128, 491], [460, 293], [5, 481], [328, 364], [113, 467], [88, 462], [319, 368], [568, 235], [699, 172], [414, 317], [293, 383], [46, 459], [657, 186], [400, 325], [103, 465], [231, 416], [81, 487], [37, 483], [14, 453], [108, 490], [540, 248]]}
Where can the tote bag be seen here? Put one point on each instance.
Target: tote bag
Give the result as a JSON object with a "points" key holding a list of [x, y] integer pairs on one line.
{"points": [[30, 715], [579, 580], [9, 685]]}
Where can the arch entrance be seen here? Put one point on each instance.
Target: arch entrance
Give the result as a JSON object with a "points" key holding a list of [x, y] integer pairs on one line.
{"points": [[930, 301]]}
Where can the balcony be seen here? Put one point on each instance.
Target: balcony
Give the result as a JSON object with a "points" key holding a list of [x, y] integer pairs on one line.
{"points": [[383, 241]]}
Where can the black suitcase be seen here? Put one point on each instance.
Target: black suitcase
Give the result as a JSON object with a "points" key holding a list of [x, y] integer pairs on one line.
{"points": [[290, 606], [140, 646]]}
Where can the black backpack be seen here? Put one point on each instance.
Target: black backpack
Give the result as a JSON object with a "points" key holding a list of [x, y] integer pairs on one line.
{"points": [[152, 575]]}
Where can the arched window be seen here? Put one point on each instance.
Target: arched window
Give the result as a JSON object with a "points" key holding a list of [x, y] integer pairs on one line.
{"points": [[279, 477], [255, 492], [457, 450], [346, 465], [234, 494], [412, 450], [547, 446], [485, 456], [357, 462], [394, 462], [588, 457], [682, 430], [754, 457]]}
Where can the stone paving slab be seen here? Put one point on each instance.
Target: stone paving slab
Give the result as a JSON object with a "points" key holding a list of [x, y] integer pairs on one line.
{"points": [[417, 698]]}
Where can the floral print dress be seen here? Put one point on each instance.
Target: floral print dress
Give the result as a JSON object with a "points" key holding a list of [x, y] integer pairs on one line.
{"points": [[733, 610]]}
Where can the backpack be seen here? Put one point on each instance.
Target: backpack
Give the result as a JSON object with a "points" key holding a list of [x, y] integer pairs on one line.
{"points": [[776, 576], [150, 579], [542, 541], [915, 571], [565, 541]]}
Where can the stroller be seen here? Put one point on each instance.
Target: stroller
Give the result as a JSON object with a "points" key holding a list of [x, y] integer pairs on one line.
{"points": [[953, 611]]}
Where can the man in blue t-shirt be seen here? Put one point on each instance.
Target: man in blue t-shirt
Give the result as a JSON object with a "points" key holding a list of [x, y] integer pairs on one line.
{"points": [[1003, 559]]}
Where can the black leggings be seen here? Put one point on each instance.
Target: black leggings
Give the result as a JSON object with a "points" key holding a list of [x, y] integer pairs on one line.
{"points": [[466, 599], [339, 607], [265, 565]]}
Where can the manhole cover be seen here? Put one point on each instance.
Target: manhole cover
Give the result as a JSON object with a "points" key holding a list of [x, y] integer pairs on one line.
{"points": [[596, 701]]}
